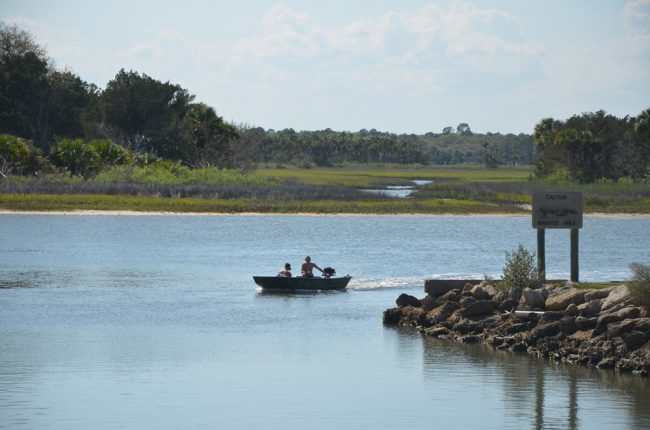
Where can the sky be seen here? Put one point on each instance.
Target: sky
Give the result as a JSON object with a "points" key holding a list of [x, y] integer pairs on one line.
{"points": [[405, 66]]}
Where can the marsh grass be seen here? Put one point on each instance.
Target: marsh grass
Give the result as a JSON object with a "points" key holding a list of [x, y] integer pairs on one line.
{"points": [[68, 202], [324, 190]]}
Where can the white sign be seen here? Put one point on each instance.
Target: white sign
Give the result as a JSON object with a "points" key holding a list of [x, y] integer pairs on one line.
{"points": [[557, 209]]}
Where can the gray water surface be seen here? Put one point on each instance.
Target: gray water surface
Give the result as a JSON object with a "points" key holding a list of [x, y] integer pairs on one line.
{"points": [[154, 322]]}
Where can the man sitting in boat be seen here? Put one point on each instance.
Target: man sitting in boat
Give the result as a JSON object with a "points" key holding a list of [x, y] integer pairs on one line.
{"points": [[286, 272], [307, 269]]}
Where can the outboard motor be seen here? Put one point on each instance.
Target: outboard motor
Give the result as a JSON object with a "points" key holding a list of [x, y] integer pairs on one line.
{"points": [[328, 272]]}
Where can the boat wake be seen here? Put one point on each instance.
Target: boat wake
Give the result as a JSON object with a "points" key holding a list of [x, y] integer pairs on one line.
{"points": [[376, 283]]}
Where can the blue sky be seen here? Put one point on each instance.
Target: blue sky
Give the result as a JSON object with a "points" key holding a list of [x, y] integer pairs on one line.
{"points": [[400, 66]]}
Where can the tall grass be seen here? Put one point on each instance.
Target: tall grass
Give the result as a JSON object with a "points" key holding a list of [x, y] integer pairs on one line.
{"points": [[197, 205]]}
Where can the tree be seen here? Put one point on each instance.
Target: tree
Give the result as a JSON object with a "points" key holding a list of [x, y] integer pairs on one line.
{"points": [[641, 143], [76, 157], [23, 94], [463, 129], [209, 136], [447, 130], [145, 114], [591, 146], [36, 101], [14, 155]]}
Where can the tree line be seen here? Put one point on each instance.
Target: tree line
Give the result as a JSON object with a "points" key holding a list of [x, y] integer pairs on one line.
{"points": [[594, 146], [53, 119]]}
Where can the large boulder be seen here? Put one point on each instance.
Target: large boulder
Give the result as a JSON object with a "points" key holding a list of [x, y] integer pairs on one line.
{"points": [[441, 313], [559, 300], [478, 307], [392, 316], [406, 300], [617, 295], [479, 293], [618, 329], [429, 303], [597, 294], [625, 313], [590, 308], [532, 299], [544, 330]]}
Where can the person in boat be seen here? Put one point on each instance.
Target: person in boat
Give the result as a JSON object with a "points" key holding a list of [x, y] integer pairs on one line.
{"points": [[307, 269], [286, 272]]}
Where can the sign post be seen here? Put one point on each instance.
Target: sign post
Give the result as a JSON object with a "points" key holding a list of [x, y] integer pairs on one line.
{"points": [[558, 209]]}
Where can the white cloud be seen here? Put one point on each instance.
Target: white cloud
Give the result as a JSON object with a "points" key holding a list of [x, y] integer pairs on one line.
{"points": [[637, 11]]}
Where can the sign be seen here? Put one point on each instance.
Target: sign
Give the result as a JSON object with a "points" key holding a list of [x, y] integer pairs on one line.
{"points": [[557, 209]]}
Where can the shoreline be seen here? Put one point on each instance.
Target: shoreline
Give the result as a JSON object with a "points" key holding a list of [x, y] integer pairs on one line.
{"points": [[268, 214]]}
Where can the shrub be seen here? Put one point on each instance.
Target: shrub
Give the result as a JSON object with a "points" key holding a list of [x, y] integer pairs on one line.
{"points": [[520, 271], [14, 155], [76, 157], [639, 286]]}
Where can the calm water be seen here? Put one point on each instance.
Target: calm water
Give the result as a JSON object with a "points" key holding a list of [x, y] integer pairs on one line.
{"points": [[154, 322]]}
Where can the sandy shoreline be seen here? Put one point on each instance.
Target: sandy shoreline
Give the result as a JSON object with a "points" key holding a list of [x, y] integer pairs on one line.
{"points": [[261, 214]]}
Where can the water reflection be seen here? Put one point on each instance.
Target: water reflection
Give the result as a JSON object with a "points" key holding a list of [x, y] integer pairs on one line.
{"points": [[536, 393]]}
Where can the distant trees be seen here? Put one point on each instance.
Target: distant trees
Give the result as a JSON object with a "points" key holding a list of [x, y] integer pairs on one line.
{"points": [[14, 155], [50, 114], [326, 147], [37, 102], [594, 146]]}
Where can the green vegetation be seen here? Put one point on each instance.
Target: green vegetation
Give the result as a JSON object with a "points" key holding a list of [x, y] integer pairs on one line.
{"points": [[639, 286], [454, 190], [140, 138], [67, 202], [595, 285], [520, 271]]}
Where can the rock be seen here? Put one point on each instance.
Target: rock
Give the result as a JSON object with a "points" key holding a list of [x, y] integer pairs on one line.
{"points": [[392, 316], [516, 328], [616, 295], [413, 316], [634, 339], [590, 308], [514, 294], [551, 316], [480, 294], [572, 310], [479, 307], [519, 347], [508, 305], [466, 301], [607, 363], [429, 303], [597, 294], [465, 326], [405, 300], [604, 320], [560, 300], [451, 296], [436, 331], [533, 299], [441, 313], [619, 329], [568, 325], [489, 288], [467, 288], [584, 323], [545, 330]]}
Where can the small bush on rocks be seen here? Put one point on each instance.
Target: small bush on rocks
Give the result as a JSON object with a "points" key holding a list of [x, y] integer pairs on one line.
{"points": [[520, 271], [639, 286]]}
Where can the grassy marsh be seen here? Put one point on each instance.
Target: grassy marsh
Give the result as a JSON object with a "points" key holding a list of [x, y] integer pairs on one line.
{"points": [[454, 190]]}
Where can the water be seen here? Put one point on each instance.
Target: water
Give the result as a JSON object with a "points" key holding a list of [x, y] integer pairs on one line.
{"points": [[154, 322]]}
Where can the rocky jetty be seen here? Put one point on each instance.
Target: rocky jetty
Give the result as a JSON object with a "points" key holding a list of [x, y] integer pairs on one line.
{"points": [[600, 328]]}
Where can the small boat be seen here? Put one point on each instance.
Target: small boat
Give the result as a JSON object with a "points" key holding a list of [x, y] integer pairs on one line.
{"points": [[280, 283]]}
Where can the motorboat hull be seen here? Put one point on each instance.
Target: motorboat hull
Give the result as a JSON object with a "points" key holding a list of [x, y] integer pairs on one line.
{"points": [[300, 283]]}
